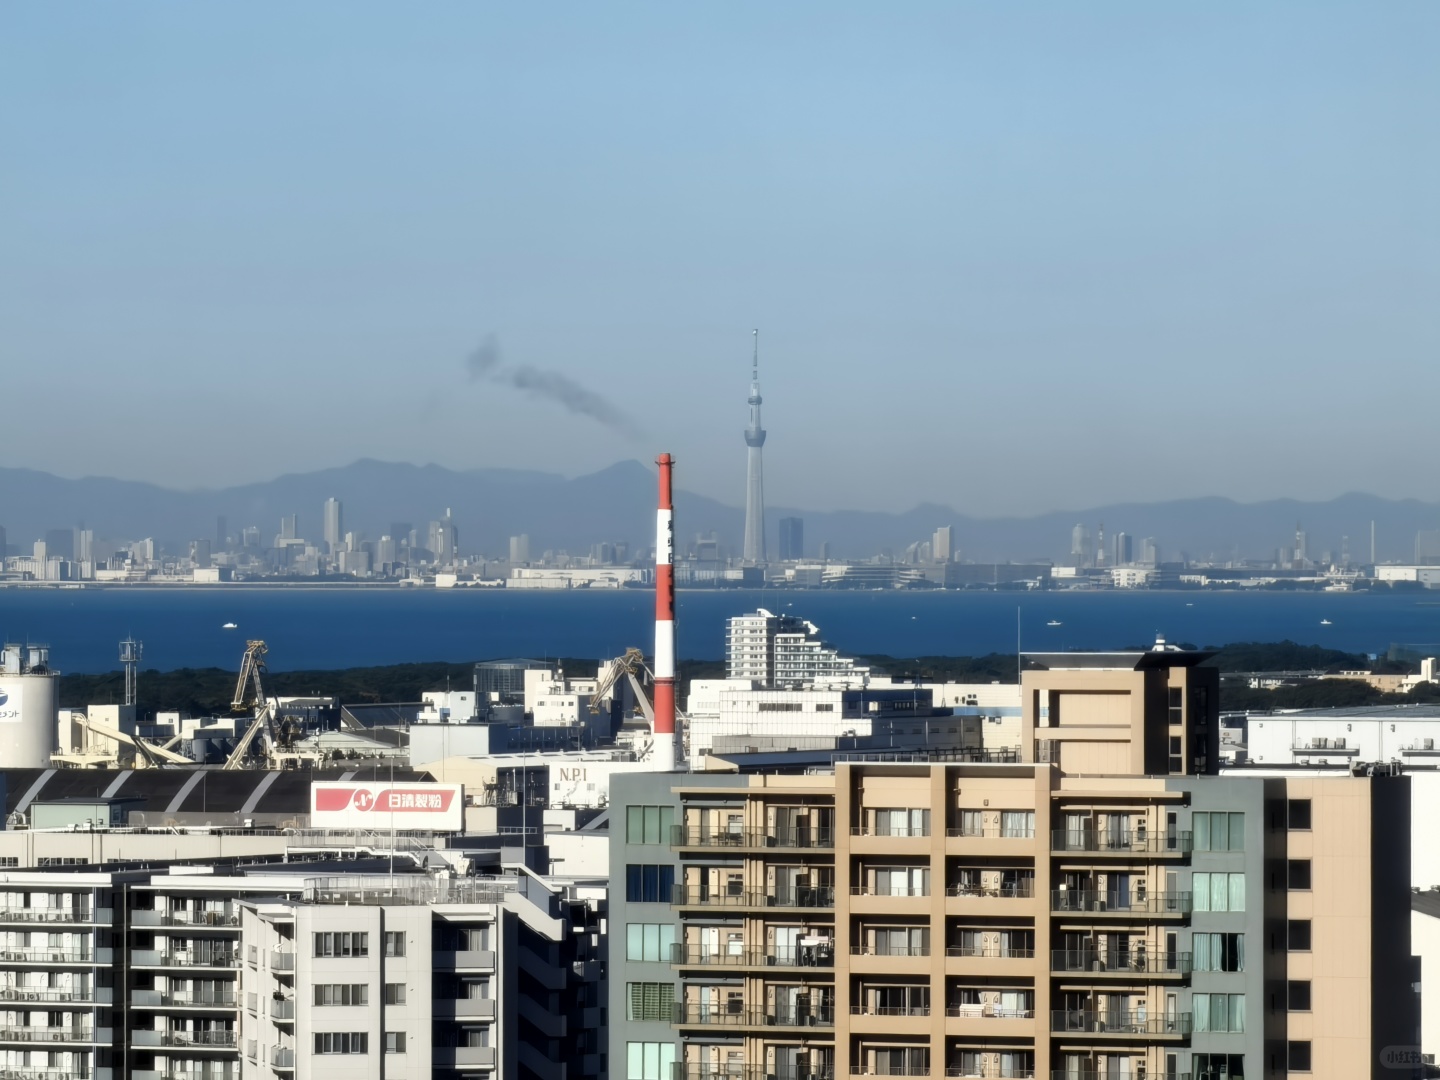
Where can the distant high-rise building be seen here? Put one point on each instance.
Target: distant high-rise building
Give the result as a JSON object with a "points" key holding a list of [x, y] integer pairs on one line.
{"points": [[400, 532], [444, 538], [754, 552], [520, 549], [1080, 545], [1124, 549], [792, 538], [85, 545], [288, 528], [353, 541], [200, 553], [824, 551], [1427, 547], [3, 547], [1149, 552], [60, 543], [387, 551], [942, 544], [222, 533], [250, 536], [334, 524], [1300, 554]]}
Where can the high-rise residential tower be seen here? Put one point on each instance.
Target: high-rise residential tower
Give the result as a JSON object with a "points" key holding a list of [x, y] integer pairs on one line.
{"points": [[334, 524], [754, 477]]}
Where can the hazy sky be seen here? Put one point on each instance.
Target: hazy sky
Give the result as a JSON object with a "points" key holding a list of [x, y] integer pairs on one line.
{"points": [[1011, 257]]}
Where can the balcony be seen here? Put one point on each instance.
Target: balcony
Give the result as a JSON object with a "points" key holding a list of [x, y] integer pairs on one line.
{"points": [[987, 1012], [41, 1072], [156, 958], [465, 1008], [42, 955], [688, 1015], [991, 952], [1074, 1021], [890, 832], [1092, 1074], [282, 1008], [464, 959], [898, 951], [991, 832], [1023, 890], [197, 1040], [987, 1072], [1161, 905], [682, 1071], [99, 916], [732, 839], [881, 1010], [805, 956], [54, 1035], [1175, 965], [455, 1057], [282, 1057], [197, 919], [897, 891], [892, 1070], [282, 961], [1101, 842], [95, 995], [822, 896]]}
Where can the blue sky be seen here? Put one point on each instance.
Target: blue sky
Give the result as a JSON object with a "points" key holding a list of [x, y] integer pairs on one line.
{"points": [[1010, 257]]}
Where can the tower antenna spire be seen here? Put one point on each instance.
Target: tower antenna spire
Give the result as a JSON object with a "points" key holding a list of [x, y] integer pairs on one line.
{"points": [[755, 359]]}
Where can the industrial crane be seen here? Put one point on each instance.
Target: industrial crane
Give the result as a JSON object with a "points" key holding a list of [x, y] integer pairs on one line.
{"points": [[250, 693], [628, 666]]}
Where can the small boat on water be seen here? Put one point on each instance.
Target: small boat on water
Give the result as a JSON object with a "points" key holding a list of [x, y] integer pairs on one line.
{"points": [[1054, 622], [1326, 622], [228, 626]]}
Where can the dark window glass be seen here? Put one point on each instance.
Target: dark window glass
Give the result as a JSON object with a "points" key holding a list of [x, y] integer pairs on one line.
{"points": [[1298, 813], [1297, 934], [1297, 1055], [1298, 873], [1298, 995]]}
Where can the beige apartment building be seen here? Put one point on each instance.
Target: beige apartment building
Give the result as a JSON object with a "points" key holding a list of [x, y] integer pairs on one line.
{"points": [[1104, 909]]}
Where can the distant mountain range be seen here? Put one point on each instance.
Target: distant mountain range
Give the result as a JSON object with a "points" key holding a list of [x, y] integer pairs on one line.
{"points": [[618, 504]]}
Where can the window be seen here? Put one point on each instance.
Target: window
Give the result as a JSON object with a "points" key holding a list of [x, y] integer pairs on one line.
{"points": [[902, 822], [779, 706], [1218, 1012], [1297, 874], [1218, 831], [1297, 935], [649, 1001], [342, 1042], [394, 993], [1177, 754], [648, 883], [649, 942], [342, 994], [1218, 952], [1297, 814], [649, 1060], [342, 944], [1297, 995], [1019, 824], [1177, 705], [1297, 1056], [394, 943], [1218, 892], [648, 824], [395, 1042]]}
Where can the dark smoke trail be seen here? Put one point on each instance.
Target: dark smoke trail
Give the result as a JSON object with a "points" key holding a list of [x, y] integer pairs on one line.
{"points": [[484, 364]]}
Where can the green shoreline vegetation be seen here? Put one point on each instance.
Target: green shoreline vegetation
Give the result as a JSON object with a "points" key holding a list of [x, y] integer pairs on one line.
{"points": [[208, 691]]}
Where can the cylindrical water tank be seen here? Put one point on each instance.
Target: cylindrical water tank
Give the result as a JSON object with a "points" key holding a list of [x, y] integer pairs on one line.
{"points": [[28, 717]]}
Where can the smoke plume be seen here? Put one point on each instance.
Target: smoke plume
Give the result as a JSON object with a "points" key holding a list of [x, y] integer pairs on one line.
{"points": [[485, 365]]}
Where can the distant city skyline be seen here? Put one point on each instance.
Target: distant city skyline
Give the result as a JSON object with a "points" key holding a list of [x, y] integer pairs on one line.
{"points": [[1006, 258]]}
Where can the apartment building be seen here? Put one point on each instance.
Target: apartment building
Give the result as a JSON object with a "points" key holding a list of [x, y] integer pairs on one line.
{"points": [[1102, 909]]}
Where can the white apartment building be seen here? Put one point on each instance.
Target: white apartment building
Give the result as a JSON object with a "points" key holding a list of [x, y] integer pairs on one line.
{"points": [[782, 651], [1409, 734]]}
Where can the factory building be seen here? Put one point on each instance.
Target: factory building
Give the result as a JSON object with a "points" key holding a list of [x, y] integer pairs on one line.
{"points": [[1103, 907], [28, 706]]}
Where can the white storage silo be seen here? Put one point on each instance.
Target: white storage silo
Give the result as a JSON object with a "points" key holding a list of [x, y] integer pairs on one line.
{"points": [[28, 707]]}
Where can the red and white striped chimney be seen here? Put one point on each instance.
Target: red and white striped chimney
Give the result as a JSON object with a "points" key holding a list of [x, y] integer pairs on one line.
{"points": [[666, 751]]}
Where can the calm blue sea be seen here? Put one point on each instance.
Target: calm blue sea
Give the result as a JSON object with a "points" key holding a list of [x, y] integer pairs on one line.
{"points": [[346, 627]]}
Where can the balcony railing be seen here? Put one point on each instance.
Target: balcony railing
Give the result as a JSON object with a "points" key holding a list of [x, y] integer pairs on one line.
{"points": [[970, 1011], [1103, 903], [1008, 1072], [1119, 1023], [1019, 891], [214, 1038], [789, 839], [699, 895], [804, 956], [95, 995], [282, 961], [1177, 963], [1094, 1074], [47, 1034], [892, 1070], [890, 950], [282, 1008], [889, 1010], [56, 915], [892, 832], [42, 955], [892, 890], [1136, 843], [688, 1014], [996, 952], [282, 1057], [992, 832], [682, 1071]]}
